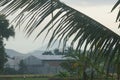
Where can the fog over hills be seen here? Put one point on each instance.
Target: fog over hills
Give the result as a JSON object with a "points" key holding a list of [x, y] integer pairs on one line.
{"points": [[53, 46], [38, 52], [12, 53], [35, 53]]}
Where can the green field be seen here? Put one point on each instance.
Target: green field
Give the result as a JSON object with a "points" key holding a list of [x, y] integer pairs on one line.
{"points": [[23, 79]]}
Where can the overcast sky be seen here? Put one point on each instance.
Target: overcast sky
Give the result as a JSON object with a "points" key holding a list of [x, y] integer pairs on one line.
{"points": [[97, 9], [89, 2]]}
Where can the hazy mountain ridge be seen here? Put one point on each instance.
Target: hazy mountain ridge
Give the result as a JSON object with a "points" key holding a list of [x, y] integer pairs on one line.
{"points": [[38, 52], [35, 53], [13, 53]]}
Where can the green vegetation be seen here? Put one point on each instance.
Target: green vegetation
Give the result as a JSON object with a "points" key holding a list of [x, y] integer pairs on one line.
{"points": [[23, 79], [30, 79], [22, 67], [47, 53], [81, 66], [5, 32]]}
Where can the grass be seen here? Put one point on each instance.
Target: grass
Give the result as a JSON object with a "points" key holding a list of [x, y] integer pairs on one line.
{"points": [[23, 78], [27, 77]]}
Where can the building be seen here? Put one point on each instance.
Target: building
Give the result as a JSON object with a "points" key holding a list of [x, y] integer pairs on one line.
{"points": [[43, 64]]}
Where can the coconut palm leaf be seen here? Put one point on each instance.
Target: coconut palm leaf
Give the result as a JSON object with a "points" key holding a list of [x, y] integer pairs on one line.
{"points": [[116, 5], [66, 23]]}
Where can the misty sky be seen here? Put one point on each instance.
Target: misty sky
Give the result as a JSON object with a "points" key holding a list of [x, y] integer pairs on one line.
{"points": [[89, 2], [97, 9]]}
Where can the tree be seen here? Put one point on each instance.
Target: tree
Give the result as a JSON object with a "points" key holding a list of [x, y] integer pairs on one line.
{"points": [[47, 53], [65, 23], [83, 66], [5, 32], [57, 52], [9, 70], [22, 67]]}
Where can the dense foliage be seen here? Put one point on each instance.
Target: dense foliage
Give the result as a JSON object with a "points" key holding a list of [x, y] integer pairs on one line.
{"points": [[5, 32]]}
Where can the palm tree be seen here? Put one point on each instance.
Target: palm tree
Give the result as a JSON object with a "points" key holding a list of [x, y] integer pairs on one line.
{"points": [[5, 32], [65, 23], [83, 66]]}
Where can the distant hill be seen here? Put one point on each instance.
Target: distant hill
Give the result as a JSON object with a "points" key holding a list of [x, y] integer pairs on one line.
{"points": [[35, 53], [12, 53], [53, 46]]}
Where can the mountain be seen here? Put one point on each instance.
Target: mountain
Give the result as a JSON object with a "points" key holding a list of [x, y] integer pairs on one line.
{"points": [[35, 53], [56, 45], [44, 48], [13, 53]]}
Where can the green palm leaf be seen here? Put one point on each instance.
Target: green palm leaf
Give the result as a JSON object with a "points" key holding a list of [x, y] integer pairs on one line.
{"points": [[117, 3], [66, 23], [115, 6]]}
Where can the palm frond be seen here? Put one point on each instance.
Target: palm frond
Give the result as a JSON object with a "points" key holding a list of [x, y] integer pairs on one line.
{"points": [[66, 23], [114, 7], [117, 3]]}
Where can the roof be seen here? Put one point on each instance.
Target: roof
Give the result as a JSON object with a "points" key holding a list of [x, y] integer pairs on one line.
{"points": [[51, 57]]}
